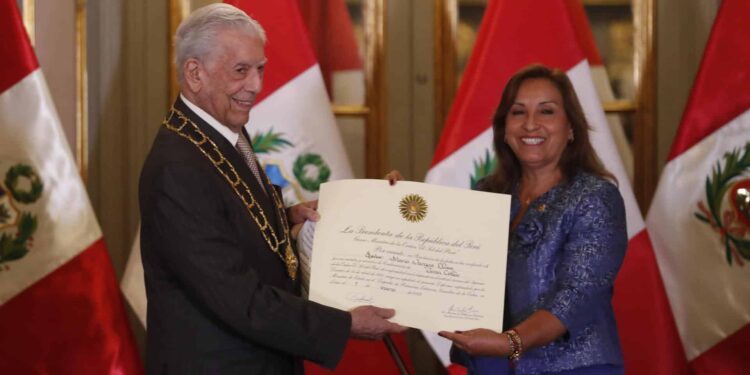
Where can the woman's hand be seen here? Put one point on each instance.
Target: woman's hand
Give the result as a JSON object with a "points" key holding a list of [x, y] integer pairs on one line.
{"points": [[393, 176], [540, 328], [482, 342]]}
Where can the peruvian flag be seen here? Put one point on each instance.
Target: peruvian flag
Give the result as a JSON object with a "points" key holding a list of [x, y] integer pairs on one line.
{"points": [[60, 309], [293, 128], [700, 216], [514, 34]]}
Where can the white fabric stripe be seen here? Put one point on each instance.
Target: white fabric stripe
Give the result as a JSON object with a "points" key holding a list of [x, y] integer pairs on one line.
{"points": [[456, 169], [133, 284], [440, 346], [601, 139], [710, 299], [301, 111], [31, 134]]}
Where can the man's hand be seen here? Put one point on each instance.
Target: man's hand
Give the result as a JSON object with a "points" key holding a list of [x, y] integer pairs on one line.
{"points": [[300, 212], [369, 322]]}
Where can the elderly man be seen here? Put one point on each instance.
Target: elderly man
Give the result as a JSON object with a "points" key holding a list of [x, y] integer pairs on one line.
{"points": [[221, 275]]}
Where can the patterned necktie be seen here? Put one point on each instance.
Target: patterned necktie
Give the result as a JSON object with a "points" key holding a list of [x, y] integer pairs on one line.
{"points": [[246, 150]]}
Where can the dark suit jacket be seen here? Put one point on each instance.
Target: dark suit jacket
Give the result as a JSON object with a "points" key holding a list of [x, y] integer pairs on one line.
{"points": [[219, 301]]}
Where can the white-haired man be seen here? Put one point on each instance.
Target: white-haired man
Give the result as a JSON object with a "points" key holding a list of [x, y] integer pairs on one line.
{"points": [[221, 275]]}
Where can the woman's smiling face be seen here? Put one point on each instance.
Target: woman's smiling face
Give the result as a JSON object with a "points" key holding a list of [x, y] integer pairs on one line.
{"points": [[536, 127]]}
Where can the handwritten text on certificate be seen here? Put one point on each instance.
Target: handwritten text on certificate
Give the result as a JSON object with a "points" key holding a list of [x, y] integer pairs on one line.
{"points": [[435, 254]]}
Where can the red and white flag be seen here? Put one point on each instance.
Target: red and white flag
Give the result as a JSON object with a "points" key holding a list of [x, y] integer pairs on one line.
{"points": [[514, 34], [293, 128], [700, 216], [60, 308]]}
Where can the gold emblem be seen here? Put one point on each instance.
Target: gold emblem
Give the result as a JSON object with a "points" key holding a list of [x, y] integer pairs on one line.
{"points": [[413, 208], [291, 262]]}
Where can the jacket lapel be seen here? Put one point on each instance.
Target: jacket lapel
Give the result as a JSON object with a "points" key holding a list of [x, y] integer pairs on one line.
{"points": [[243, 170]]}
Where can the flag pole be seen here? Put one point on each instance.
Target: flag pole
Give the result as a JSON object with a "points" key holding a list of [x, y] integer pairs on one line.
{"points": [[396, 355]]}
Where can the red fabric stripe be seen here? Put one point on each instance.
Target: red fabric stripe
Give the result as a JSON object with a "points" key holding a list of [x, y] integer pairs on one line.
{"points": [[332, 36], [513, 34], [18, 59], [729, 356], [720, 92], [70, 322], [288, 48], [583, 31], [367, 357], [454, 369], [648, 334]]}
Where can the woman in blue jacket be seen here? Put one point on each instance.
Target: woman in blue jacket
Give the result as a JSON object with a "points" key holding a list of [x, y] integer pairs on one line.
{"points": [[567, 238]]}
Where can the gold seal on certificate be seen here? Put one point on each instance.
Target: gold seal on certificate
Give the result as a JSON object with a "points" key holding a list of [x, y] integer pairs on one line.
{"points": [[433, 257], [413, 208]]}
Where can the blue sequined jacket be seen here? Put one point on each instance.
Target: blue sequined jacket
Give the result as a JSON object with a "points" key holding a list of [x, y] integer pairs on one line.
{"points": [[563, 257]]}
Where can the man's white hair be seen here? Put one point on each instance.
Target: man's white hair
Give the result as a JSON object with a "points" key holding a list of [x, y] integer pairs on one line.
{"points": [[196, 35]]}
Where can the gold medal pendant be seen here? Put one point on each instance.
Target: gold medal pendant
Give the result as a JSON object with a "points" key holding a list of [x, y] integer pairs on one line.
{"points": [[291, 262]]}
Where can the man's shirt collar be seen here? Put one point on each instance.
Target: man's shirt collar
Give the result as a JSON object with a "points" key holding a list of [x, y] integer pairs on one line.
{"points": [[231, 136]]}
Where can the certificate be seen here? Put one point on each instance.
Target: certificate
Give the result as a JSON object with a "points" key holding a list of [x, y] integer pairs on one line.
{"points": [[435, 254]]}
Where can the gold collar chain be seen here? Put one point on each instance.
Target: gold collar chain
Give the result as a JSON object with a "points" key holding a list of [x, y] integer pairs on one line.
{"points": [[226, 169]]}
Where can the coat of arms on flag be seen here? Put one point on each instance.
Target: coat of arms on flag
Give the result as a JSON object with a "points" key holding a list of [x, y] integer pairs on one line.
{"points": [[483, 167], [20, 188], [309, 169], [60, 310], [699, 216], [727, 204]]}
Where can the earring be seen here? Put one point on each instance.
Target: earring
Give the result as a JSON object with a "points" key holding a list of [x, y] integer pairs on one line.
{"points": [[571, 137]]}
